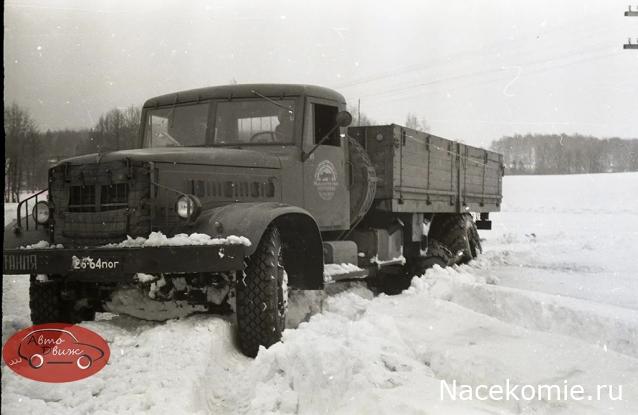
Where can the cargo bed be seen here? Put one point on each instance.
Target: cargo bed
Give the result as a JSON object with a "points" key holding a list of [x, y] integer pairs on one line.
{"points": [[421, 172]]}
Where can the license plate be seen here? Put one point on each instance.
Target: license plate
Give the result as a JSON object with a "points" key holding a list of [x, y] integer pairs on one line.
{"points": [[94, 263]]}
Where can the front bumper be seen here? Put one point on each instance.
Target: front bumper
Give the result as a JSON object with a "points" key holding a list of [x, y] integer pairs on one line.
{"points": [[112, 264]]}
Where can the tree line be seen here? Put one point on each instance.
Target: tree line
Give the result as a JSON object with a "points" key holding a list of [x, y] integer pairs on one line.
{"points": [[29, 151], [411, 120], [566, 154]]}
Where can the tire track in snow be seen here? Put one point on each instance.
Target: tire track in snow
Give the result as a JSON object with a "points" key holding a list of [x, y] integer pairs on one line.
{"points": [[606, 326], [476, 349]]}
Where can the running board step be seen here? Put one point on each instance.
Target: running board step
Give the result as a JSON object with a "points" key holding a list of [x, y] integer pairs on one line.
{"points": [[340, 272]]}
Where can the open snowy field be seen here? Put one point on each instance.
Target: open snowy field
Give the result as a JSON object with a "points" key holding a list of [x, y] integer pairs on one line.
{"points": [[553, 301]]}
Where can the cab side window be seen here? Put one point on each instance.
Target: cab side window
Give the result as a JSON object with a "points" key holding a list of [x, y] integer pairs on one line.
{"points": [[324, 121]]}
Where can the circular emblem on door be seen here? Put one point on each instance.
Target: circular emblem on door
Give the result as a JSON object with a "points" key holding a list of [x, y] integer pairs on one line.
{"points": [[326, 180]]}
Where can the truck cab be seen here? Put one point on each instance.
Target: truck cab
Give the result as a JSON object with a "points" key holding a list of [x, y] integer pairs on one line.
{"points": [[280, 123]]}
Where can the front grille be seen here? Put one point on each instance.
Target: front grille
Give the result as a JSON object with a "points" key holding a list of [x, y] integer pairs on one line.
{"points": [[114, 196], [95, 204], [95, 228], [82, 199]]}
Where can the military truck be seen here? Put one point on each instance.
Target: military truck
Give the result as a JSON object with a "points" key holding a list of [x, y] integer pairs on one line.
{"points": [[238, 193]]}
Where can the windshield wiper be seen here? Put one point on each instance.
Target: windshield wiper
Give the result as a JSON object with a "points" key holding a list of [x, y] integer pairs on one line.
{"points": [[289, 109]]}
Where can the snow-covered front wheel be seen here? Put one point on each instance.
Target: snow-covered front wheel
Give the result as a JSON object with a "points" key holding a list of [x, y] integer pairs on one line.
{"points": [[262, 296]]}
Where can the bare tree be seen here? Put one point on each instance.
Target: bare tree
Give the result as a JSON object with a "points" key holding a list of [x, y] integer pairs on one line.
{"points": [[132, 119], [21, 151], [117, 129], [412, 121], [424, 125], [28, 153], [365, 120]]}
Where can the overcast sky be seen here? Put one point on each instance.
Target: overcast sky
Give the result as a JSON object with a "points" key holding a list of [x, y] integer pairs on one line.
{"points": [[476, 70]]}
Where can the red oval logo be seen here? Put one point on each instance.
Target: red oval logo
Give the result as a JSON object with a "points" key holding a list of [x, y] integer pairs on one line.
{"points": [[56, 352]]}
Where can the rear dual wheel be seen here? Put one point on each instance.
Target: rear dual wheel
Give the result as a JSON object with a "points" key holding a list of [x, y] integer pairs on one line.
{"points": [[453, 239]]}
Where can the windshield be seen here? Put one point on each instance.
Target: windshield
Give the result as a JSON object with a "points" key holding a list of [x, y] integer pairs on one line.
{"points": [[183, 125], [236, 122], [245, 122]]}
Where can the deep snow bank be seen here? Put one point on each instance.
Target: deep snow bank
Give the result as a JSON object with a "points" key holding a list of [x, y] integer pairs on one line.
{"points": [[390, 354], [607, 326], [552, 300]]}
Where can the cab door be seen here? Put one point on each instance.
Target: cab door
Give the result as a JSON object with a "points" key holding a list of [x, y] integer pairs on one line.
{"points": [[325, 187]]}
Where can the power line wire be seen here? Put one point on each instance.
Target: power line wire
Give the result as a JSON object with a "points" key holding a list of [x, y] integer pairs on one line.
{"points": [[444, 60], [411, 87]]}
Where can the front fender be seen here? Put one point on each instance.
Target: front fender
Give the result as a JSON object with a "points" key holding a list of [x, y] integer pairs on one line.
{"points": [[299, 231], [242, 219]]}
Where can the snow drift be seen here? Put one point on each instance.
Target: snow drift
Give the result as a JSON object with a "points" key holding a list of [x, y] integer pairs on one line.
{"points": [[552, 300]]}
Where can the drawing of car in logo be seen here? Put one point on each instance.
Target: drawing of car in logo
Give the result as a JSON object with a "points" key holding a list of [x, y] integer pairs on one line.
{"points": [[58, 347]]}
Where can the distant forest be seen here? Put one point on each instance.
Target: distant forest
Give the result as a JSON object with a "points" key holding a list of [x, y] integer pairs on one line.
{"points": [[29, 151], [566, 154]]}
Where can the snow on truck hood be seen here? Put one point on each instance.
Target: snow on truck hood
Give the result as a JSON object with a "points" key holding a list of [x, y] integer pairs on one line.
{"points": [[217, 156]]}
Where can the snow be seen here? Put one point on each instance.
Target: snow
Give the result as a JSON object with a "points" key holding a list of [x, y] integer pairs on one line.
{"points": [[284, 290], [604, 325], [42, 278], [552, 301], [334, 269], [142, 278], [182, 239], [133, 302], [156, 286], [396, 260], [43, 245], [574, 236], [330, 270]]}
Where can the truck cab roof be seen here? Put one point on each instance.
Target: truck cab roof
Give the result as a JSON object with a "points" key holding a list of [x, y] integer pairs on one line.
{"points": [[244, 91]]}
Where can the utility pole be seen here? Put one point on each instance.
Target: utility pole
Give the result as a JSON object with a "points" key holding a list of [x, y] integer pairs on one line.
{"points": [[630, 45]]}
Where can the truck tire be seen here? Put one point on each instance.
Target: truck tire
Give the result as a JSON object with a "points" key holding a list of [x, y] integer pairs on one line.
{"points": [[437, 254], [394, 280], [262, 296], [475, 240], [452, 231], [48, 306], [431, 261]]}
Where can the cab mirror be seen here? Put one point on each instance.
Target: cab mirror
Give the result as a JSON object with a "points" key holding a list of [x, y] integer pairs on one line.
{"points": [[344, 118]]}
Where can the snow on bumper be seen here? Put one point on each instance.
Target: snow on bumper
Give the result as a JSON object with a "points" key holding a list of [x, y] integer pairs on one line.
{"points": [[108, 263]]}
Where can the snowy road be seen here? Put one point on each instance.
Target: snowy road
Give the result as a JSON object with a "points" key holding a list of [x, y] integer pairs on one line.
{"points": [[554, 300]]}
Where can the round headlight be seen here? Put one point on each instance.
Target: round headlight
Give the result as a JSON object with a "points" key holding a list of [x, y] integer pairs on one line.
{"points": [[187, 207], [41, 213]]}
